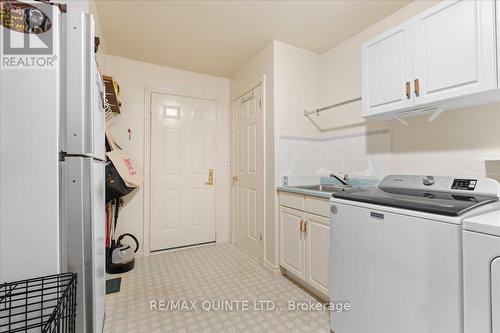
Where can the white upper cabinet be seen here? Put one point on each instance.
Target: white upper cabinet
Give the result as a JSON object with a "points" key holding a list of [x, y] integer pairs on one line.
{"points": [[451, 60], [455, 50], [387, 71]]}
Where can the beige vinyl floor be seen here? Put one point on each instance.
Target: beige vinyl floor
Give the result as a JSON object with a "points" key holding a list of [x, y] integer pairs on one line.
{"points": [[213, 288]]}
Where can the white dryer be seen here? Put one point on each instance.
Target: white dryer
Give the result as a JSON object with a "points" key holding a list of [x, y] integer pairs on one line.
{"points": [[482, 273]]}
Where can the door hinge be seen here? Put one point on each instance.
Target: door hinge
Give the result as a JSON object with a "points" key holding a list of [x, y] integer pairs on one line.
{"points": [[260, 237]]}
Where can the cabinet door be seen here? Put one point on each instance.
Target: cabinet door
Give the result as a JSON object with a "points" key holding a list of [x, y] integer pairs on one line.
{"points": [[387, 67], [455, 52], [317, 242], [292, 244]]}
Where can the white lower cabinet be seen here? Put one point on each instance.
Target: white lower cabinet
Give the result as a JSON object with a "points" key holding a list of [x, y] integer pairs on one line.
{"points": [[317, 252], [305, 241], [292, 241]]}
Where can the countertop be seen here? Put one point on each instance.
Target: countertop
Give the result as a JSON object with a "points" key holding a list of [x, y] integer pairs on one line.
{"points": [[312, 193], [355, 182]]}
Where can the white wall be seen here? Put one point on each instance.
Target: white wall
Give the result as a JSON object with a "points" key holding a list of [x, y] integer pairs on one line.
{"points": [[133, 76], [363, 154], [245, 79], [297, 88], [302, 149], [306, 81], [423, 147], [438, 147]]}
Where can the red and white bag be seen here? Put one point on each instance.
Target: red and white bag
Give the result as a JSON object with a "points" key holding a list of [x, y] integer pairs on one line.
{"points": [[122, 163]]}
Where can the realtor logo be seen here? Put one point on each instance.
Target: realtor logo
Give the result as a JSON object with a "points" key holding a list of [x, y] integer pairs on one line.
{"points": [[27, 35]]}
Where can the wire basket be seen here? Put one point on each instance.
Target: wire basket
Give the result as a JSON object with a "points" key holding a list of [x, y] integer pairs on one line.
{"points": [[44, 304]]}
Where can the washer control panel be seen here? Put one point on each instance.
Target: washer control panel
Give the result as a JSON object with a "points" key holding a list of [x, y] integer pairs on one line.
{"points": [[464, 184], [476, 185]]}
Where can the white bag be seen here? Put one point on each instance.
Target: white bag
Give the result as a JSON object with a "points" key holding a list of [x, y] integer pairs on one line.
{"points": [[122, 163]]}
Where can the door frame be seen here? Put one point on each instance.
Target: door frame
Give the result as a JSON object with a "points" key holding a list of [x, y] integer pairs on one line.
{"points": [[262, 84], [148, 92]]}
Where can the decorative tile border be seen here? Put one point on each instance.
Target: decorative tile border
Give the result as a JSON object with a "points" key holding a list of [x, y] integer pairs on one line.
{"points": [[338, 137]]}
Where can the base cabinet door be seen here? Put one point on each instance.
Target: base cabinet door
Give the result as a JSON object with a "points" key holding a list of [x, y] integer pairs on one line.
{"points": [[292, 244], [317, 246], [455, 51]]}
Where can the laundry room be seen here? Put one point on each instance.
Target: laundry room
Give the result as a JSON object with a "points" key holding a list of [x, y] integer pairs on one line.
{"points": [[233, 166]]}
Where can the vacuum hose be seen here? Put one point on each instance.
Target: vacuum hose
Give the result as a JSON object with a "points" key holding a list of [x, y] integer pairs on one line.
{"points": [[131, 236]]}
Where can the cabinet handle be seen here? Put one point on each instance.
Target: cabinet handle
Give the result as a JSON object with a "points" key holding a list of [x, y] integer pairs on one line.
{"points": [[301, 225], [417, 87], [305, 227], [408, 88]]}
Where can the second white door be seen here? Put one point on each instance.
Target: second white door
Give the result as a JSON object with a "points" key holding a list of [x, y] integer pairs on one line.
{"points": [[248, 173], [183, 149]]}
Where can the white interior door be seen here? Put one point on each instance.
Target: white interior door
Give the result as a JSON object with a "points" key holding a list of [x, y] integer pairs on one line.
{"points": [[183, 150], [247, 173]]}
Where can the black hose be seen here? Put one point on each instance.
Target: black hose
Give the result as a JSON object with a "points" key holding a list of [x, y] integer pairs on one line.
{"points": [[131, 236]]}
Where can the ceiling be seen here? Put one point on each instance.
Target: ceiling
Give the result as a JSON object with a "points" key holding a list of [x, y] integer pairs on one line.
{"points": [[218, 37]]}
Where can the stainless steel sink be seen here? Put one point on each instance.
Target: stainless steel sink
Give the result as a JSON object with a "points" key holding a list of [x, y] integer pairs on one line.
{"points": [[323, 188]]}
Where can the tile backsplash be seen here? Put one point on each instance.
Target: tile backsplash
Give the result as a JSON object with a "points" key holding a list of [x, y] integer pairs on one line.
{"points": [[363, 154]]}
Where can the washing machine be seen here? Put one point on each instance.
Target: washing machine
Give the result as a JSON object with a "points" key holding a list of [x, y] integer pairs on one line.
{"points": [[481, 250], [396, 253]]}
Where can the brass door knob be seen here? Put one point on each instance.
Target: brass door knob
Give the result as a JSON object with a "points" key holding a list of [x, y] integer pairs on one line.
{"points": [[210, 180]]}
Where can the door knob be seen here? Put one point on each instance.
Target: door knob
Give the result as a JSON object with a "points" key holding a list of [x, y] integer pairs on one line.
{"points": [[234, 180], [210, 177]]}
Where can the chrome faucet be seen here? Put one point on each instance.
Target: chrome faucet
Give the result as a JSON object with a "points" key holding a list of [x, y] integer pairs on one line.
{"points": [[344, 180]]}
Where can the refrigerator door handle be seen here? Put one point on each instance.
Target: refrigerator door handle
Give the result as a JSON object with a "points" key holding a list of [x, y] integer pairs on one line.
{"points": [[63, 155]]}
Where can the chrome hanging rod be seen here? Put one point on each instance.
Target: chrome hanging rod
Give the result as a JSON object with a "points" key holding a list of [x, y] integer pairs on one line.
{"points": [[317, 111]]}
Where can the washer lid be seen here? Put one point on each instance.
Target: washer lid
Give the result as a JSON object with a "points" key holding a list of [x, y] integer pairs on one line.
{"points": [[487, 223], [442, 203]]}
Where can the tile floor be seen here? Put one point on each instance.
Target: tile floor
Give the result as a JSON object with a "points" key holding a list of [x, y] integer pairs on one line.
{"points": [[213, 276]]}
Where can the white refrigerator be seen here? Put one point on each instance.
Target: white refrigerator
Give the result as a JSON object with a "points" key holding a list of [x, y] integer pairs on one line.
{"points": [[52, 186]]}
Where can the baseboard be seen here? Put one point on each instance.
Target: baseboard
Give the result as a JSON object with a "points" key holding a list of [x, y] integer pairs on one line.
{"points": [[318, 295], [270, 267]]}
